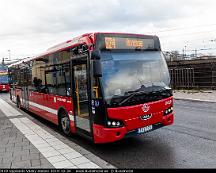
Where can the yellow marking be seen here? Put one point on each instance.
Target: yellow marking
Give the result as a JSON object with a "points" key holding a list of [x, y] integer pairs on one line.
{"points": [[78, 101], [110, 43], [95, 89], [134, 43]]}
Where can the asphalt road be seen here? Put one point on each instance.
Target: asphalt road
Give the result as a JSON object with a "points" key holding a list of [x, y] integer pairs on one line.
{"points": [[189, 143]]}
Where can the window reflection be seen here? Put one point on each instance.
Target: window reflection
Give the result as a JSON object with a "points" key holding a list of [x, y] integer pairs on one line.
{"points": [[123, 72]]}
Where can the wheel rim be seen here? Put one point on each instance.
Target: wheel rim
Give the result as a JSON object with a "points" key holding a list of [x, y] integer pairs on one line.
{"points": [[65, 123]]}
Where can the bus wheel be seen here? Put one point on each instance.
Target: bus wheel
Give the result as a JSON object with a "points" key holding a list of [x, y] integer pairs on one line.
{"points": [[65, 122], [10, 95], [18, 103]]}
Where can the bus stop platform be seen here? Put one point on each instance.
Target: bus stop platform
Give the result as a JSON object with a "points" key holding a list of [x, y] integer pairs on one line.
{"points": [[15, 149], [27, 144]]}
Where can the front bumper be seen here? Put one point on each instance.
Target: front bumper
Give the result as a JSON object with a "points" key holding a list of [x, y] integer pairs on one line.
{"points": [[106, 135]]}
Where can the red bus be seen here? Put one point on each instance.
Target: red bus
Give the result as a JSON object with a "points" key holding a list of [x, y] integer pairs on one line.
{"points": [[104, 86], [4, 81]]}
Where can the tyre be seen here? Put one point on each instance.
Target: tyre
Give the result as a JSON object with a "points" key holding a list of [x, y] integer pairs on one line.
{"points": [[10, 95], [65, 122], [18, 103]]}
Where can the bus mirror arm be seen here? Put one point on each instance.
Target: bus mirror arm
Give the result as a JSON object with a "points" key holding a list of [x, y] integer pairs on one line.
{"points": [[97, 68], [95, 54]]}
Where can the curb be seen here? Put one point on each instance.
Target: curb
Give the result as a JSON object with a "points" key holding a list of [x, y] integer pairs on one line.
{"points": [[196, 100]]}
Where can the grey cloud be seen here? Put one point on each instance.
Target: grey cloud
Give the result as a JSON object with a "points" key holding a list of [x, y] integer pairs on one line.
{"points": [[52, 21], [53, 16]]}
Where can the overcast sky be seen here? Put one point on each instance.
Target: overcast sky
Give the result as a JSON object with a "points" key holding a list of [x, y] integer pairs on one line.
{"points": [[29, 27]]}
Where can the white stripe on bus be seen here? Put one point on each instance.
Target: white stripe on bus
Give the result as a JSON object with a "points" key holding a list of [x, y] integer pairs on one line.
{"points": [[50, 110], [45, 108]]}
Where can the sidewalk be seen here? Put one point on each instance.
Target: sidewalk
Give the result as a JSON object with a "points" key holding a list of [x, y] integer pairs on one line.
{"points": [[27, 143], [208, 96], [15, 149]]}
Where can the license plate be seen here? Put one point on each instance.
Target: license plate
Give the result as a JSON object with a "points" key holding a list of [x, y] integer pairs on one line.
{"points": [[144, 129]]}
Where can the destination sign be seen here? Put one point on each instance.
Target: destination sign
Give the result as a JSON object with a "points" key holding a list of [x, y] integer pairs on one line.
{"points": [[128, 43]]}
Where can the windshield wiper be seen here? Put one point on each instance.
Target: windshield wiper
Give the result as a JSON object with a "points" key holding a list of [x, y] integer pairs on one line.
{"points": [[163, 92], [131, 95], [157, 92]]}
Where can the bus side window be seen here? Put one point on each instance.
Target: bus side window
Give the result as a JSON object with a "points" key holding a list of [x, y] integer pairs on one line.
{"points": [[61, 90], [37, 75], [51, 82], [67, 81]]}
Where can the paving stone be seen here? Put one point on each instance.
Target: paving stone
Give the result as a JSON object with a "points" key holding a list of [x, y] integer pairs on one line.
{"points": [[28, 147], [2, 150], [11, 159], [41, 155], [2, 146], [4, 142], [25, 139], [35, 162], [8, 154], [30, 156], [63, 164], [11, 141], [45, 163], [21, 153], [18, 148], [10, 145], [56, 159], [34, 150], [25, 143], [36, 167], [5, 165], [18, 140], [50, 153], [72, 155], [79, 160], [21, 164], [47, 166]]}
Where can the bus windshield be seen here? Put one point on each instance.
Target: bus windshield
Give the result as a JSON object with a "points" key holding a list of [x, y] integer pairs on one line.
{"points": [[132, 72]]}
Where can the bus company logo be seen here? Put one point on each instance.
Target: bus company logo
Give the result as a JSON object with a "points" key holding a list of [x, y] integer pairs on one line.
{"points": [[145, 107], [146, 117]]}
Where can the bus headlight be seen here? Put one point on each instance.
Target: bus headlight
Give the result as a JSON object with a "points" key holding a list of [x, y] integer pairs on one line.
{"points": [[168, 111], [118, 123], [114, 123], [109, 123]]}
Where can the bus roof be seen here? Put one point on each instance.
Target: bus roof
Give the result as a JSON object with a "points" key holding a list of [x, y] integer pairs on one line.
{"points": [[69, 43]]}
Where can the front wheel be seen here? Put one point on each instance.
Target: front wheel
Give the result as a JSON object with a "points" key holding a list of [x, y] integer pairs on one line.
{"points": [[18, 103], [65, 123]]}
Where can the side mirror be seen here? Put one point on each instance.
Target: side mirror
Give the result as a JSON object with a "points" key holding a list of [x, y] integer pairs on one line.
{"points": [[97, 68]]}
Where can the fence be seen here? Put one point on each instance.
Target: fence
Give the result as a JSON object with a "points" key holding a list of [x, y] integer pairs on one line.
{"points": [[193, 74]]}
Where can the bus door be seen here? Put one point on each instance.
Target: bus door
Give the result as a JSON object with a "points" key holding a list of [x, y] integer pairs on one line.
{"points": [[80, 96], [25, 97], [25, 92]]}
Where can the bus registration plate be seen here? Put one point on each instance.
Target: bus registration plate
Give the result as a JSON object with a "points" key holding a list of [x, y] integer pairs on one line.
{"points": [[144, 129]]}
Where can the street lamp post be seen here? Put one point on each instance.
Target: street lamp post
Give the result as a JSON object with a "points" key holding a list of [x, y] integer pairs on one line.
{"points": [[9, 55], [185, 52]]}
